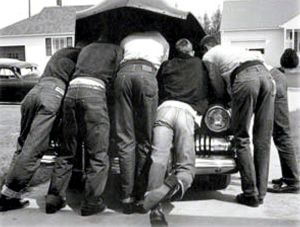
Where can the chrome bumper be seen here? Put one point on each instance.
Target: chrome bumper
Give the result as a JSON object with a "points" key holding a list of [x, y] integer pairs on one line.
{"points": [[214, 164]]}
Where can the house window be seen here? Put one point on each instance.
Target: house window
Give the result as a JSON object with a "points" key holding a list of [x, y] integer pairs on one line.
{"points": [[54, 44], [13, 55], [261, 50]]}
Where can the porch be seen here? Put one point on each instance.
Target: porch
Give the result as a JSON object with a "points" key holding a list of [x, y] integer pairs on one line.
{"points": [[292, 34]]}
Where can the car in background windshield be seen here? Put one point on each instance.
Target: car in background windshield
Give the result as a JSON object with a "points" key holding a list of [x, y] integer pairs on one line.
{"points": [[16, 79]]}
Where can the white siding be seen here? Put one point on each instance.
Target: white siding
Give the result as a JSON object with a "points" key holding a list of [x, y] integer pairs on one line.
{"points": [[35, 49], [270, 40]]}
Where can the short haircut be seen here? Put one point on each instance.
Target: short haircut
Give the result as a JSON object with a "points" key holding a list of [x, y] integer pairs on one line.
{"points": [[208, 40], [289, 59], [184, 46]]}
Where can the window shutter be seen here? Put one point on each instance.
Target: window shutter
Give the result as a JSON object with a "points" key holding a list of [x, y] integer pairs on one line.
{"points": [[48, 47]]}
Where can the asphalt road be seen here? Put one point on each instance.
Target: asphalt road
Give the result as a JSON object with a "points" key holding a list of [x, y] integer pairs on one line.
{"points": [[199, 208]]}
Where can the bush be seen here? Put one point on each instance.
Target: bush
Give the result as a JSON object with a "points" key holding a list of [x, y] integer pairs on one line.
{"points": [[289, 59]]}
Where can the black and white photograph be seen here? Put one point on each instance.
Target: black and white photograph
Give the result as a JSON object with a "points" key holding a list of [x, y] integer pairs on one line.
{"points": [[150, 113]]}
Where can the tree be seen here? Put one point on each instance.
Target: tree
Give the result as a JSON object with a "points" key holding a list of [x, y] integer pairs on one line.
{"points": [[215, 25], [211, 25], [206, 24]]}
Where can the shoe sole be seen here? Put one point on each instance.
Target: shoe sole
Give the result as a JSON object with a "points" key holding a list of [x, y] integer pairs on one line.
{"points": [[290, 191], [53, 209], [89, 213], [248, 204]]}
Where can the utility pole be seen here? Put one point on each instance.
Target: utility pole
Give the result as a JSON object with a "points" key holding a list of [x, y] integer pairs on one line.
{"points": [[29, 8], [59, 3]]}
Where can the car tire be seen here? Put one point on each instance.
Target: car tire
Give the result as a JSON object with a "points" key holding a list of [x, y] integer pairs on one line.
{"points": [[211, 182]]}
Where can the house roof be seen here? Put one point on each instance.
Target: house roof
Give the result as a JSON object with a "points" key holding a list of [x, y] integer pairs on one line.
{"points": [[294, 23], [51, 20], [258, 14]]}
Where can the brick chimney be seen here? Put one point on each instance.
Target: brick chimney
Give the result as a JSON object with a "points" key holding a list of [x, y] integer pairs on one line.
{"points": [[59, 2]]}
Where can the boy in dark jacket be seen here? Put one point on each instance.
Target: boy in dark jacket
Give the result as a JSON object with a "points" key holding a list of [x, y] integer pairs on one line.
{"points": [[183, 95], [39, 110], [85, 119]]}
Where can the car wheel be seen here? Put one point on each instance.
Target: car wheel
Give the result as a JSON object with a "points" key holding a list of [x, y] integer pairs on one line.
{"points": [[211, 182]]}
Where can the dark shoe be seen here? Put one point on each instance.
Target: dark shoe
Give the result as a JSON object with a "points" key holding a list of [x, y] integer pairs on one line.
{"points": [[128, 208], [54, 204], [261, 201], [165, 192], [284, 188], [88, 209], [277, 181], [157, 218], [132, 207], [7, 204], [251, 201], [139, 208]]}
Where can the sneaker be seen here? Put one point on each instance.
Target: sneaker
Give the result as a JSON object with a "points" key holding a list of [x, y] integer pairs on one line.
{"points": [[165, 192], [157, 218], [177, 193], [7, 203], [284, 188], [88, 209], [54, 204], [251, 201]]}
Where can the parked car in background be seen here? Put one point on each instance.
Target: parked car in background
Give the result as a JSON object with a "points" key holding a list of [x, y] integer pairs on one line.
{"points": [[16, 79]]}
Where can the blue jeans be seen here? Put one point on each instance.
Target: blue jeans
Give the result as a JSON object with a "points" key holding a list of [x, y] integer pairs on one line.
{"points": [[136, 98], [85, 119], [253, 93], [282, 133], [39, 110], [173, 128]]}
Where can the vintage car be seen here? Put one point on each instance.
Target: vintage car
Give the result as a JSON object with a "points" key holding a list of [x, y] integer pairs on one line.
{"points": [[16, 79], [215, 156]]}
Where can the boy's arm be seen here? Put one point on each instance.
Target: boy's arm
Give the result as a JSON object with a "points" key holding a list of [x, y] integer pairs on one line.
{"points": [[216, 81]]}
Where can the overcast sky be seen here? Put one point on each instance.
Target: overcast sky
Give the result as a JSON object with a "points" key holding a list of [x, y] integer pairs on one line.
{"points": [[12, 11]]}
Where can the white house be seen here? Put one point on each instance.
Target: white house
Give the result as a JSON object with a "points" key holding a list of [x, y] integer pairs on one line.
{"points": [[268, 26], [36, 38]]}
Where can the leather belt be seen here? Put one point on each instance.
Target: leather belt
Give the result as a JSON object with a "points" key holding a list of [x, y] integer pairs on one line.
{"points": [[241, 67], [138, 65]]}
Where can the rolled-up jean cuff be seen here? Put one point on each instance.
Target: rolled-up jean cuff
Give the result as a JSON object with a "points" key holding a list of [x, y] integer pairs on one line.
{"points": [[10, 193]]}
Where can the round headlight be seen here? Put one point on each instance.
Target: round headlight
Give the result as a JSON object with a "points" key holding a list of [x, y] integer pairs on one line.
{"points": [[217, 119]]}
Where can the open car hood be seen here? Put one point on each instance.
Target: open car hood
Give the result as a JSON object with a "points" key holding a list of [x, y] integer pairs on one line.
{"points": [[120, 18], [156, 6]]}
